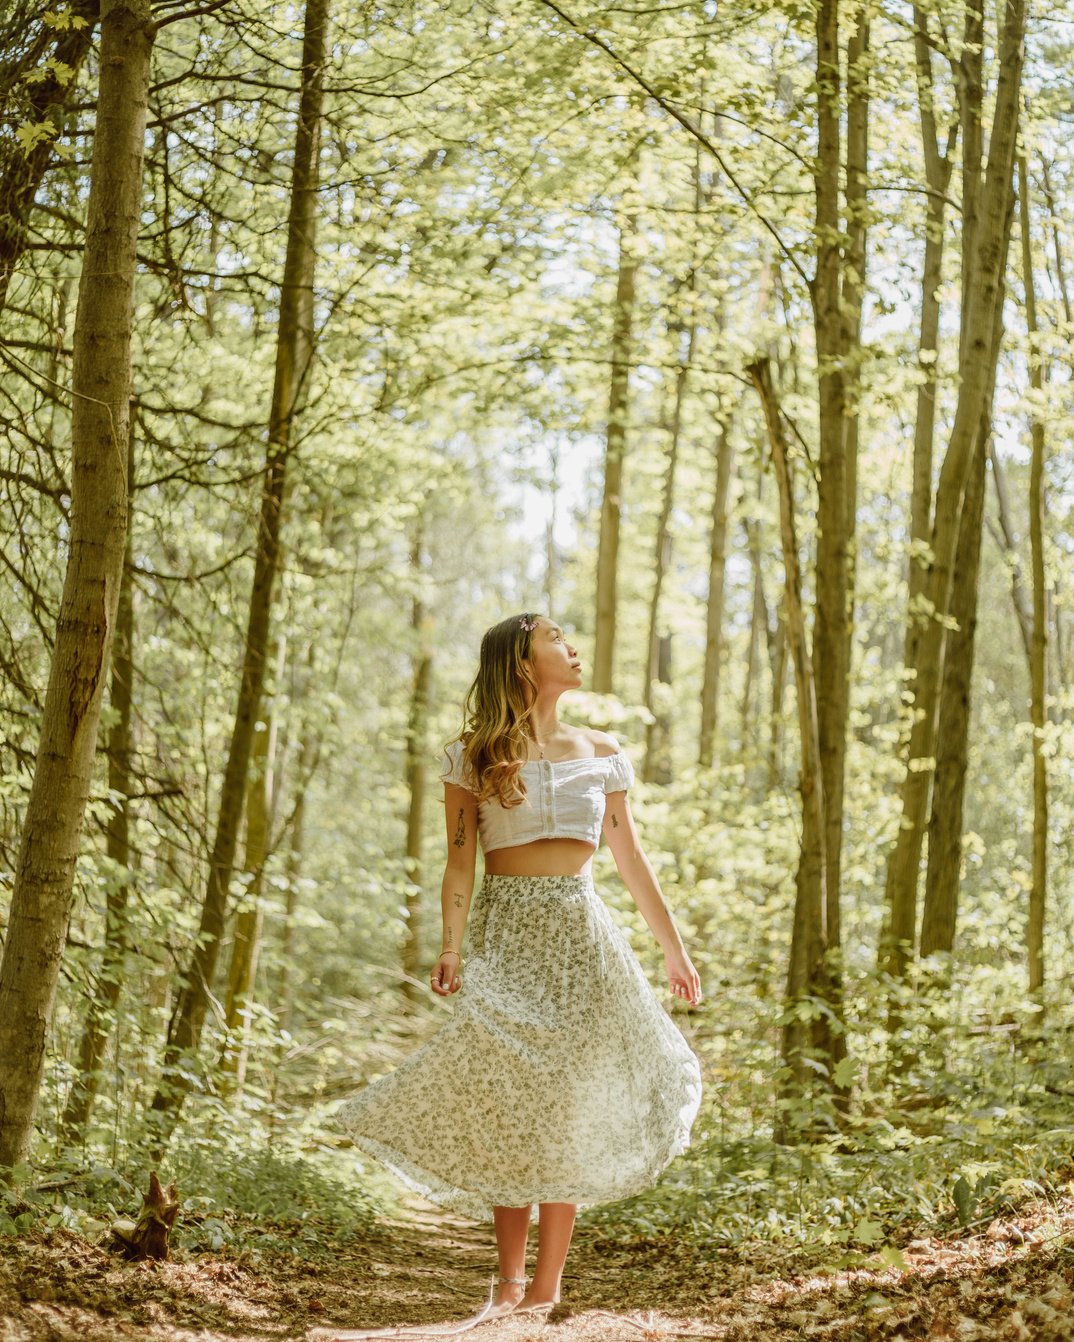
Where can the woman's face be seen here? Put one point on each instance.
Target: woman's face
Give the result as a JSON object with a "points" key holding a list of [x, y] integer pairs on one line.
{"points": [[553, 660]]}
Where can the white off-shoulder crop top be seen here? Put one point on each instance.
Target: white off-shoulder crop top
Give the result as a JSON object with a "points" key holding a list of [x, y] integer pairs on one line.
{"points": [[564, 799]]}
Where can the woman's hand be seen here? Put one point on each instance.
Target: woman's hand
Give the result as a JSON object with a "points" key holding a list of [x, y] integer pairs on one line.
{"points": [[444, 978], [682, 976]]}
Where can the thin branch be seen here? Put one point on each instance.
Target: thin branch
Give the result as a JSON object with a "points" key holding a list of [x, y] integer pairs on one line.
{"points": [[688, 124], [188, 14]]}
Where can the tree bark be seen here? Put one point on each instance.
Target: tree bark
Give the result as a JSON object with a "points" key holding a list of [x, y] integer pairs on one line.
{"points": [[984, 273], [710, 685], [261, 793], [108, 982], [293, 357], [21, 172], [416, 778], [939, 913], [1038, 663], [806, 1031], [101, 386], [835, 316], [937, 180], [1007, 543], [944, 861], [839, 315], [656, 763], [551, 565], [618, 410]]}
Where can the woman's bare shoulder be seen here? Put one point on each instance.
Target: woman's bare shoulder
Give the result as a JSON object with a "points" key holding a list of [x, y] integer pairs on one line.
{"points": [[603, 742]]}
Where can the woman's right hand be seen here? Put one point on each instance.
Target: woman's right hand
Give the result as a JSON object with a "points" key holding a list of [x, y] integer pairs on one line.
{"points": [[445, 978], [682, 976]]}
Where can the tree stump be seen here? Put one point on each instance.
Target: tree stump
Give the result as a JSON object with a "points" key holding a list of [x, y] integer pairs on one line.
{"points": [[148, 1236]]}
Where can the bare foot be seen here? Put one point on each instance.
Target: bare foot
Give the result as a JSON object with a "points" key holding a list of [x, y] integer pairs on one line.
{"points": [[528, 1300]]}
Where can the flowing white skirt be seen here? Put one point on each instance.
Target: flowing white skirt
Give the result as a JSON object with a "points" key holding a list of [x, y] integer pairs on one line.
{"points": [[559, 1077]]}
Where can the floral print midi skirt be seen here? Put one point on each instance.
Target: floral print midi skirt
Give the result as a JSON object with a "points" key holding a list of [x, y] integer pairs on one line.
{"points": [[559, 1077]]}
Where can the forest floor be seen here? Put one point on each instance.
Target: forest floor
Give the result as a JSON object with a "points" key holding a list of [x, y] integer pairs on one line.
{"points": [[1010, 1279]]}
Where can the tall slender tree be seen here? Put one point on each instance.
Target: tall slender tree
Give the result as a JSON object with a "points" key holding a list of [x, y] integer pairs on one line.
{"points": [[101, 389], [294, 352], [618, 413], [1038, 657], [108, 981], [943, 871], [806, 1035], [984, 258], [416, 776], [714, 600]]}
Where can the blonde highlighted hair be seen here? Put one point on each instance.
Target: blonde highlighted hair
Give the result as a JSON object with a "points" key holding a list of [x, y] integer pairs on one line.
{"points": [[496, 733]]}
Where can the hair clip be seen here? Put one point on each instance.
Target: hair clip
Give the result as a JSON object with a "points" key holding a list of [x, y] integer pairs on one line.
{"points": [[528, 624]]}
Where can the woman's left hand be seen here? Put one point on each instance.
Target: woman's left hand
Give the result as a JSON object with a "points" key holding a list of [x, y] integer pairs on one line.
{"points": [[682, 976]]}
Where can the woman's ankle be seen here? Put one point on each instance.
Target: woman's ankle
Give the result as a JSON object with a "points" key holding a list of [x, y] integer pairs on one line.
{"points": [[510, 1290], [538, 1294]]}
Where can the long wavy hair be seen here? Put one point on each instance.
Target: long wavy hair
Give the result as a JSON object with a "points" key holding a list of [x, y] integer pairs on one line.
{"points": [[496, 716]]}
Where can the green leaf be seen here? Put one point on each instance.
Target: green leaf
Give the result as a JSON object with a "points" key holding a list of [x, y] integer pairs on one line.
{"points": [[868, 1232], [31, 133], [963, 1198], [892, 1256]]}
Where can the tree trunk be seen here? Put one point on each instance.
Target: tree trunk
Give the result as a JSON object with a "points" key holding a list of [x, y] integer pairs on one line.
{"points": [[22, 171], [937, 178], [837, 501], [101, 386], [656, 764], [1038, 665], [939, 913], [551, 567], [775, 647], [710, 685], [778, 660], [1007, 544], [944, 862], [833, 328], [984, 272], [249, 917], [293, 357], [618, 410], [416, 778], [758, 622], [806, 1031], [261, 793], [108, 982]]}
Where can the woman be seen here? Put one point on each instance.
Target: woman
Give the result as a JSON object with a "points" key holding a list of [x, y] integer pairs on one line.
{"points": [[560, 1079]]}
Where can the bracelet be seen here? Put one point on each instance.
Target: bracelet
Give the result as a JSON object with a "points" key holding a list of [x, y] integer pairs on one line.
{"points": [[451, 952]]}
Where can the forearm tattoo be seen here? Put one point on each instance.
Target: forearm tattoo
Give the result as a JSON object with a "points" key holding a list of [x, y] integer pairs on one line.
{"points": [[460, 831], [458, 901]]}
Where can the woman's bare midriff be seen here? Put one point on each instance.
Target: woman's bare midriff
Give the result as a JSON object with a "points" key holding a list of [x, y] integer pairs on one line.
{"points": [[542, 857]]}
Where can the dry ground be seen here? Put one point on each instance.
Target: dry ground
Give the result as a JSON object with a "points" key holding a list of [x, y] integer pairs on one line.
{"points": [[1010, 1281]]}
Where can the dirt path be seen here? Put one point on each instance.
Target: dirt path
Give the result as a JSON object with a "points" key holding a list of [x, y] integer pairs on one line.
{"points": [[1011, 1280]]}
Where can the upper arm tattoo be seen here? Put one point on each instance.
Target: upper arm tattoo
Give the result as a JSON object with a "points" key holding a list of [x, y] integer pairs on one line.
{"points": [[460, 831]]}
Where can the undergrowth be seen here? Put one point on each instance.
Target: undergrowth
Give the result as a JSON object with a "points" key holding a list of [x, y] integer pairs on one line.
{"points": [[971, 1118], [975, 1119]]}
